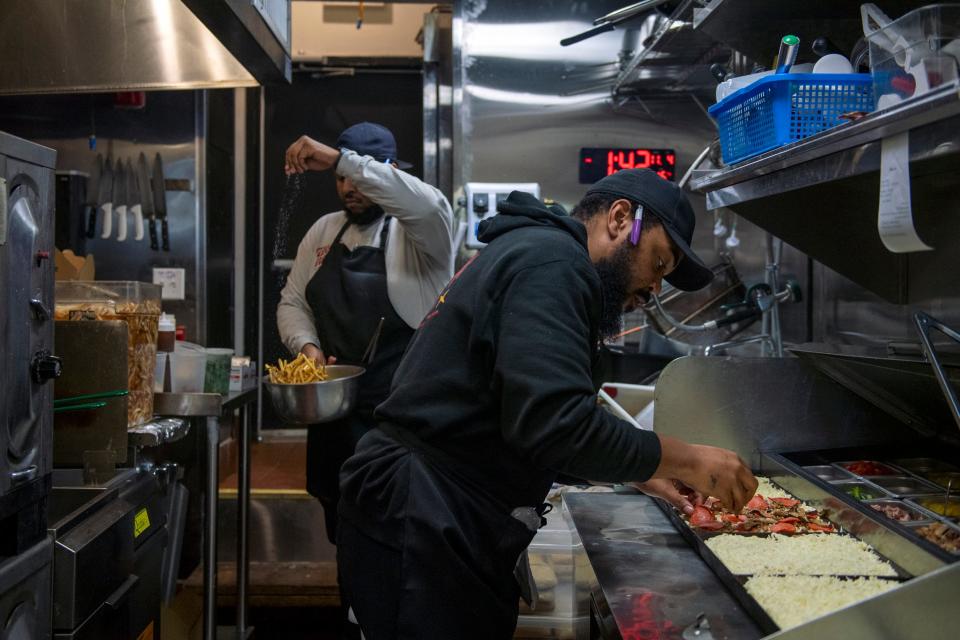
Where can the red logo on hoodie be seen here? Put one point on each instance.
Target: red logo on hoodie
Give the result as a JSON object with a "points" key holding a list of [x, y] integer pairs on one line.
{"points": [[443, 294]]}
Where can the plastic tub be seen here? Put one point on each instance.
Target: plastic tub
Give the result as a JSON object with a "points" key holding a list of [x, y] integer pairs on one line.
{"points": [[913, 54], [188, 368], [137, 304], [217, 378], [158, 372]]}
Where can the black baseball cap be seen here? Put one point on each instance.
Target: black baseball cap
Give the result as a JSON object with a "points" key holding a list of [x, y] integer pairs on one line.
{"points": [[371, 139], [667, 202]]}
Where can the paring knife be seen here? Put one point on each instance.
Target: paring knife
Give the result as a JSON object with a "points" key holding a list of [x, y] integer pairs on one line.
{"points": [[105, 199], [120, 200], [160, 200], [133, 197], [93, 194], [146, 199]]}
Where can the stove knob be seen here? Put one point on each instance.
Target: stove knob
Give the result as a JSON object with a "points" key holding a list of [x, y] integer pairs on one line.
{"points": [[45, 367]]}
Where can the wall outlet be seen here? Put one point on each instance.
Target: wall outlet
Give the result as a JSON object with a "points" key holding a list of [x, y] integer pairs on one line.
{"points": [[173, 282]]}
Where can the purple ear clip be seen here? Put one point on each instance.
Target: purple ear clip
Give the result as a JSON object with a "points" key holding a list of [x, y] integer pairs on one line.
{"points": [[637, 224]]}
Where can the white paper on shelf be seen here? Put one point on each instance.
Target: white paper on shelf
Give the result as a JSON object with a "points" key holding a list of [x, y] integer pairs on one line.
{"points": [[895, 219]]}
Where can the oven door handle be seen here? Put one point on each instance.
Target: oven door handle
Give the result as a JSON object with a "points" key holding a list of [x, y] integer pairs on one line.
{"points": [[23, 475], [114, 599]]}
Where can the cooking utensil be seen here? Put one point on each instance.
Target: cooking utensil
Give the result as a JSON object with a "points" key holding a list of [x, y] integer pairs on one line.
{"points": [[610, 20], [371, 351], [146, 198], [105, 199], [789, 47], [93, 194], [116, 393], [133, 196], [619, 411], [317, 402], [120, 200], [160, 200], [87, 406]]}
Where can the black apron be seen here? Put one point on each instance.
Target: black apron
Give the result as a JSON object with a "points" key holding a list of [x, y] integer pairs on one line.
{"points": [[348, 296], [445, 539]]}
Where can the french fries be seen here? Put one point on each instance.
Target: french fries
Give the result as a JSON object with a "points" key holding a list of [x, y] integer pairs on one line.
{"points": [[298, 371]]}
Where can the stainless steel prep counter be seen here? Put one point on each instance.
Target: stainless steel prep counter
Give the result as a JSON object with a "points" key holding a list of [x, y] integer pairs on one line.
{"points": [[648, 581]]}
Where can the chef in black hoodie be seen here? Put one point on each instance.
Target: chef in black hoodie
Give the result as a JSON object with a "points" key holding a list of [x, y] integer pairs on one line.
{"points": [[494, 397]]}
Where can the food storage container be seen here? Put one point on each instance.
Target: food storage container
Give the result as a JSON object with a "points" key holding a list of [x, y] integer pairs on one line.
{"points": [[899, 511], [558, 565], [941, 534], [868, 468], [217, 377], [913, 54], [829, 473], [940, 505], [136, 303], [945, 479], [188, 367], [922, 466], [860, 490], [903, 486]]}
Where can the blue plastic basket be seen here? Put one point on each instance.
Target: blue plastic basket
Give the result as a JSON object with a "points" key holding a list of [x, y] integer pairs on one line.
{"points": [[780, 109]]}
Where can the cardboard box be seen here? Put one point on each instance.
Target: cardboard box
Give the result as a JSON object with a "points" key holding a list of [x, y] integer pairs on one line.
{"points": [[69, 266], [243, 374]]}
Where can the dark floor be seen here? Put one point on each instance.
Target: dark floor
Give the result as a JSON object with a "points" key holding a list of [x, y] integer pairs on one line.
{"points": [[291, 623]]}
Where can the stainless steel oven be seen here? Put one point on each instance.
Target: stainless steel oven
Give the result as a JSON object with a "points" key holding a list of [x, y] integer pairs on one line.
{"points": [[26, 340]]}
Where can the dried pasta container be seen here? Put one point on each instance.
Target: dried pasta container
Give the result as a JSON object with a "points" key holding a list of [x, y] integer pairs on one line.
{"points": [[137, 304]]}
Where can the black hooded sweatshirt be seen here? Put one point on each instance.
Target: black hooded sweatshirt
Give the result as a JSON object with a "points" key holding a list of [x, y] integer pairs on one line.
{"points": [[497, 381]]}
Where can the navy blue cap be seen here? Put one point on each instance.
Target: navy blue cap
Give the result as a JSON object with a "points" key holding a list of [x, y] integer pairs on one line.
{"points": [[669, 204], [371, 139]]}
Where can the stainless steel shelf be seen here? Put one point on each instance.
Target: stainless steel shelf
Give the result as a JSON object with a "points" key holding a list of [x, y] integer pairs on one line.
{"points": [[816, 160]]}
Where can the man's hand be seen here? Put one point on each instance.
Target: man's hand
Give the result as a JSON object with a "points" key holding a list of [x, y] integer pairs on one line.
{"points": [[709, 470], [676, 493], [313, 351], [306, 154]]}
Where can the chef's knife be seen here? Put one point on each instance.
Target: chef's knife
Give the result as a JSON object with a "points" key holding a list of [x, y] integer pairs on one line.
{"points": [[105, 199], [146, 199], [93, 193], [133, 197], [160, 200], [120, 200]]}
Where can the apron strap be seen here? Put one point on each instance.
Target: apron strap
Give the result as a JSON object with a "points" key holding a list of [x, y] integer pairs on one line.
{"points": [[385, 232], [340, 233]]}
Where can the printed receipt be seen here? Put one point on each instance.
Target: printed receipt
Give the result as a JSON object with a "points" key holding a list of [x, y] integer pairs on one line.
{"points": [[895, 219]]}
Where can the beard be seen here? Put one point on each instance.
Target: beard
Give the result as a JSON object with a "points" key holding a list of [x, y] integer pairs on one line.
{"points": [[614, 275], [363, 216]]}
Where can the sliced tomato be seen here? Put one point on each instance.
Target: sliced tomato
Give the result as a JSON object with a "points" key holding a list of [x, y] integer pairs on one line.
{"points": [[783, 527], [787, 502], [700, 516], [790, 520], [825, 528], [757, 502]]}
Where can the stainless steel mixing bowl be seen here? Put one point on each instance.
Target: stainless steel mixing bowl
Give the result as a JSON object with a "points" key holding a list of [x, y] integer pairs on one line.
{"points": [[317, 402]]}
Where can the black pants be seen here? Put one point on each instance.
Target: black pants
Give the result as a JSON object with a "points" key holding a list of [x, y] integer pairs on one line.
{"points": [[328, 447]]}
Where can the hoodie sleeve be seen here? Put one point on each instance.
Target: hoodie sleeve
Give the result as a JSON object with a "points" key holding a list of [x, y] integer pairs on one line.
{"points": [[549, 411]]}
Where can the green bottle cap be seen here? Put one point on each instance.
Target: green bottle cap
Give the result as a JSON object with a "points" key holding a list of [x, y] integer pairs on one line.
{"points": [[791, 40]]}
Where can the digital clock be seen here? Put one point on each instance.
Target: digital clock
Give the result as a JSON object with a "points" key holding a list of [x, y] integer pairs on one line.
{"points": [[600, 162]]}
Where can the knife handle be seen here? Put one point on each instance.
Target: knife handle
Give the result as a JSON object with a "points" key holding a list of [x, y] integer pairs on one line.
{"points": [[121, 222], [91, 221], [107, 209], [153, 235], [137, 212], [165, 234]]}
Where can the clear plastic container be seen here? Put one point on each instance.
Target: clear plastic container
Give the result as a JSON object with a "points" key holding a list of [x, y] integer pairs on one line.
{"points": [[913, 54], [217, 378], [188, 367], [136, 303], [159, 371]]}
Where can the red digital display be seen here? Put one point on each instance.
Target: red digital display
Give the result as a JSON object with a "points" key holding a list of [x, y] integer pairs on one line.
{"points": [[599, 162]]}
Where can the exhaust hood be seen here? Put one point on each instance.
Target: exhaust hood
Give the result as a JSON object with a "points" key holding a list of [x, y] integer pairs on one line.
{"points": [[66, 46]]}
